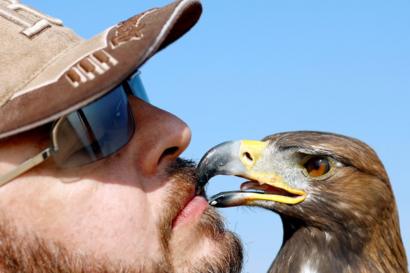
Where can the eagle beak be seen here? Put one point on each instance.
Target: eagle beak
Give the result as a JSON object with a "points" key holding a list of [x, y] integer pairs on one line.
{"points": [[241, 158]]}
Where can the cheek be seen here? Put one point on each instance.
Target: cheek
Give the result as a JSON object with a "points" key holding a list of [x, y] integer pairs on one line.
{"points": [[119, 216], [76, 214]]}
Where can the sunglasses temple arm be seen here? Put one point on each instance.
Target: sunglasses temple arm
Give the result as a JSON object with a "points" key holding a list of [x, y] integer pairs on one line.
{"points": [[25, 166]]}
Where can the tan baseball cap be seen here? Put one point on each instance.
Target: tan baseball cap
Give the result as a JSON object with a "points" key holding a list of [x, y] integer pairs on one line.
{"points": [[47, 71]]}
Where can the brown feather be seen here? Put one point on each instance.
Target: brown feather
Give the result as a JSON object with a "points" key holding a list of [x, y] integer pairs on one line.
{"points": [[352, 225]]}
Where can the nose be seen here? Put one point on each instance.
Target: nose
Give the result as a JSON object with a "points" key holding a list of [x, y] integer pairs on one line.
{"points": [[159, 138]]}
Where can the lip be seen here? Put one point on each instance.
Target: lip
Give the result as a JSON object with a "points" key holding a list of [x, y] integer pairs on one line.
{"points": [[191, 209]]}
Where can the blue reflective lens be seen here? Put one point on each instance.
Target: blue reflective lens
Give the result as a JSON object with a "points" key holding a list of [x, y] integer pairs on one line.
{"points": [[136, 86], [95, 131], [100, 128]]}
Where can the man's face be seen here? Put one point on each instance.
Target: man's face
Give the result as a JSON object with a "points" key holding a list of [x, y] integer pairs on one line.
{"points": [[134, 211]]}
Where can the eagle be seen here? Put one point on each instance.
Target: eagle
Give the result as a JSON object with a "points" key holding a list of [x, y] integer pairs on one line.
{"points": [[331, 191]]}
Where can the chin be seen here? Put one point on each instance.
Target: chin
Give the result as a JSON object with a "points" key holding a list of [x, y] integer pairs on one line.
{"points": [[204, 245]]}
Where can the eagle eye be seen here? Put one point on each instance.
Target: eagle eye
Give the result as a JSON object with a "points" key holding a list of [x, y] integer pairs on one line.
{"points": [[317, 166]]}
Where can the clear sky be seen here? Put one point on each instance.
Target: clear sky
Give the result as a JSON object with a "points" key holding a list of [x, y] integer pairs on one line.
{"points": [[253, 68]]}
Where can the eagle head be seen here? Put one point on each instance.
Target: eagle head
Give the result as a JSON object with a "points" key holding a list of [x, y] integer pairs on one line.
{"points": [[323, 182]]}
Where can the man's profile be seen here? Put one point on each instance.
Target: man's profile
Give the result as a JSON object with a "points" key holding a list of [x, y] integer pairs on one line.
{"points": [[90, 174]]}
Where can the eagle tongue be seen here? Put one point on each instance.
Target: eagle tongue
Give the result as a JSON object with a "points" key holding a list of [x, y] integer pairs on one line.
{"points": [[249, 185], [253, 185]]}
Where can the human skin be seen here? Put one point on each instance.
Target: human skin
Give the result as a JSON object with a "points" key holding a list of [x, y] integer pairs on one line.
{"points": [[121, 210]]}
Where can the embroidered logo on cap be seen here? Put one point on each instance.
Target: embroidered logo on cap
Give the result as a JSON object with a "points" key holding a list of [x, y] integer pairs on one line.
{"points": [[130, 29]]}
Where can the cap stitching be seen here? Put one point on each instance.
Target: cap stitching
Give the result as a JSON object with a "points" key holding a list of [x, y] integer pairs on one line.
{"points": [[32, 76], [31, 29], [17, 6]]}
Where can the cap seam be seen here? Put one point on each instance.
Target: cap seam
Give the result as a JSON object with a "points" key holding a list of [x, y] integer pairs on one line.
{"points": [[33, 76], [62, 35]]}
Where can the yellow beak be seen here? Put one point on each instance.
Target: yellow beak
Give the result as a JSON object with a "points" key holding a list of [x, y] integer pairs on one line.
{"points": [[245, 159]]}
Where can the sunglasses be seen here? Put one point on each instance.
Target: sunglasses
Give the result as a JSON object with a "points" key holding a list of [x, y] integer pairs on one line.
{"points": [[91, 133]]}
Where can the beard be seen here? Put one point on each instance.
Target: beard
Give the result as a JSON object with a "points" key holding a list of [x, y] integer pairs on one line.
{"points": [[226, 256], [30, 254]]}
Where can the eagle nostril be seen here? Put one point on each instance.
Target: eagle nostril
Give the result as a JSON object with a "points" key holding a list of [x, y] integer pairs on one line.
{"points": [[248, 157]]}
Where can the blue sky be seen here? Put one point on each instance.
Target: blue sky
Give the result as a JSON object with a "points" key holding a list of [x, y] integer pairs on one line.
{"points": [[253, 68]]}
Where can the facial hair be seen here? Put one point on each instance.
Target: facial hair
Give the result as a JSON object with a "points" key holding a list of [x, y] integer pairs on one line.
{"points": [[25, 254], [227, 257]]}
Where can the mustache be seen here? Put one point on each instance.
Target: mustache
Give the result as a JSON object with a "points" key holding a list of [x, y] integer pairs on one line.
{"points": [[183, 174], [184, 168]]}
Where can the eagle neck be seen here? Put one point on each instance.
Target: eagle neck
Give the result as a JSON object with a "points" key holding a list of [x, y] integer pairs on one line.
{"points": [[307, 249]]}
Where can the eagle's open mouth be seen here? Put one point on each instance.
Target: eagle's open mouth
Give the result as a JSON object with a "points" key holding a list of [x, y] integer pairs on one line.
{"points": [[257, 187], [251, 191]]}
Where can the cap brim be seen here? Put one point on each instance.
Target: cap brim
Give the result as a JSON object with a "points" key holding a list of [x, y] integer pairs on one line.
{"points": [[92, 68]]}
